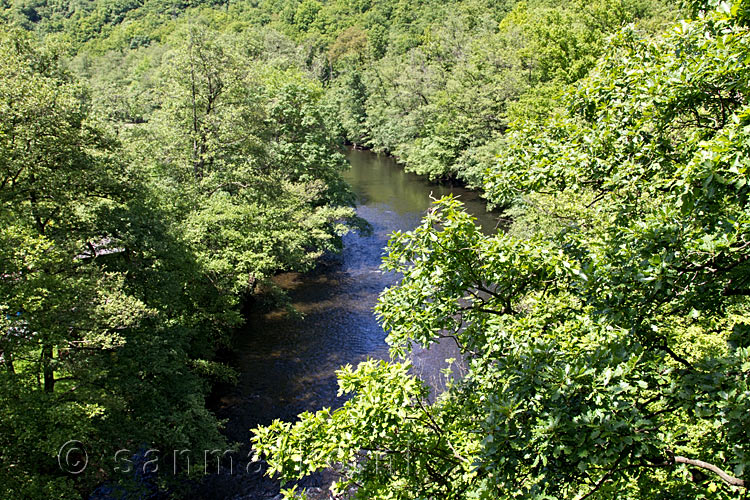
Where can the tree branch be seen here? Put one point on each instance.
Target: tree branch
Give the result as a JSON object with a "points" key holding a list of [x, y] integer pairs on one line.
{"points": [[730, 480], [608, 475]]}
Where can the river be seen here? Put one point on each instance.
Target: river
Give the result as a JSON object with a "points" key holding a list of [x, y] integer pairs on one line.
{"points": [[287, 363]]}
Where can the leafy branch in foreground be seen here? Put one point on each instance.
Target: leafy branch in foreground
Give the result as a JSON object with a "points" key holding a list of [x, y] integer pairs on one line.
{"points": [[607, 334]]}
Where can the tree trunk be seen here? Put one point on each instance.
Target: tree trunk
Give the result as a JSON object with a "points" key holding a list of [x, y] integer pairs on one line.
{"points": [[49, 373]]}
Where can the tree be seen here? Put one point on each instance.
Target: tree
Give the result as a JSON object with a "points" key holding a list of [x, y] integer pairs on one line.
{"points": [[606, 335], [98, 324], [349, 44], [249, 165]]}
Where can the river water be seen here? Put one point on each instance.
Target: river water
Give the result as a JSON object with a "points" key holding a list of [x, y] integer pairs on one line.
{"points": [[287, 363]]}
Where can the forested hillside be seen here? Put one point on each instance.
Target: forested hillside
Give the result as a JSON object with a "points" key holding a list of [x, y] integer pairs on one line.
{"points": [[132, 226], [161, 162]]}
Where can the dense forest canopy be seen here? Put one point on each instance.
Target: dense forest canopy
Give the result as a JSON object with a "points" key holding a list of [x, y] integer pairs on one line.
{"points": [[161, 161], [132, 227]]}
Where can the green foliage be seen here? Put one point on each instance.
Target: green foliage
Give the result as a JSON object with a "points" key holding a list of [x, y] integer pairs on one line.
{"points": [[361, 435], [605, 335], [88, 351], [135, 216], [439, 103], [245, 154]]}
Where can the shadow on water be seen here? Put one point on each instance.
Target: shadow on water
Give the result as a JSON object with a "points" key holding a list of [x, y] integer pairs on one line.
{"points": [[287, 364]]}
